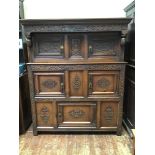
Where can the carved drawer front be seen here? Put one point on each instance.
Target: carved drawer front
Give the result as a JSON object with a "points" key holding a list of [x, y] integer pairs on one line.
{"points": [[76, 46], [76, 83], [49, 84], [103, 45], [103, 83], [48, 45], [45, 114], [109, 114], [77, 114]]}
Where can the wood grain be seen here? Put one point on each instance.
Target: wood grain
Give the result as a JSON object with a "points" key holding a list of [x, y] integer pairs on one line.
{"points": [[75, 144]]}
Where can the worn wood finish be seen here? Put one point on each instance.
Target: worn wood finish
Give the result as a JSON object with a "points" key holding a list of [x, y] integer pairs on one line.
{"points": [[75, 144], [76, 74]]}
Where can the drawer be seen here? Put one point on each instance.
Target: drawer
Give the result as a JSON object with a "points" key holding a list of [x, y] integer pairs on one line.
{"points": [[103, 83], [45, 113], [49, 84], [103, 45], [77, 114], [109, 114]]}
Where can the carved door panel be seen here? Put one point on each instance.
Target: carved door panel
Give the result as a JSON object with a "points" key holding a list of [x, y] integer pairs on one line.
{"points": [[49, 84], [48, 46], [103, 83], [109, 114], [45, 114], [103, 45], [76, 84], [77, 114], [76, 46]]}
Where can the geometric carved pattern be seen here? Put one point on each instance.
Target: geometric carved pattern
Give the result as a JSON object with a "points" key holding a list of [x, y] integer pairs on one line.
{"points": [[44, 114], [75, 47], [76, 113], [50, 47], [103, 83], [76, 83], [106, 48], [49, 83], [74, 67], [108, 114]]}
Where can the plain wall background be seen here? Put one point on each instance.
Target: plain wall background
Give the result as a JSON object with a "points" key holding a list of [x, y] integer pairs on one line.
{"points": [[74, 9]]}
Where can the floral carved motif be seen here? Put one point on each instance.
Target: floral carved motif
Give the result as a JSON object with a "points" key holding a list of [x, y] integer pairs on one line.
{"points": [[108, 114], [49, 83], [103, 83], [77, 113], [76, 83], [44, 114]]}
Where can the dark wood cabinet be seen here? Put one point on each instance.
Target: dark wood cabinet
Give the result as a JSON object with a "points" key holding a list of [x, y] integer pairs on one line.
{"points": [[76, 73]]}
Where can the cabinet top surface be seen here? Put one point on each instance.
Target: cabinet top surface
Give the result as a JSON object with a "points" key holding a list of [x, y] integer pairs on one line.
{"points": [[76, 21]]}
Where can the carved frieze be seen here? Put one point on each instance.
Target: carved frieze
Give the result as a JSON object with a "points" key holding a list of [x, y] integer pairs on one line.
{"points": [[75, 67]]}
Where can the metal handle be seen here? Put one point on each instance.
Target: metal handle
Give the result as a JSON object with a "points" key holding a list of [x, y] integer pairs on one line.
{"points": [[62, 86], [90, 49], [90, 85]]}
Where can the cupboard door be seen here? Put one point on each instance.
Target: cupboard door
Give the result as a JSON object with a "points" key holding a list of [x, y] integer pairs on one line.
{"points": [[103, 83], [45, 114], [77, 114], [49, 84], [103, 45], [48, 46], [109, 114], [76, 46], [76, 84]]}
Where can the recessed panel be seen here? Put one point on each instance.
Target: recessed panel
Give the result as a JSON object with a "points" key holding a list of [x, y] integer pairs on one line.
{"points": [[51, 84], [77, 114], [103, 82], [109, 114]]}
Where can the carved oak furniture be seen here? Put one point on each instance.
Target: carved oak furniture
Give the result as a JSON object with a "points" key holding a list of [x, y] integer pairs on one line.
{"points": [[76, 73]]}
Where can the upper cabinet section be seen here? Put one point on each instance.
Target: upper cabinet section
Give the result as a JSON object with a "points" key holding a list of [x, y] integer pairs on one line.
{"points": [[75, 40]]}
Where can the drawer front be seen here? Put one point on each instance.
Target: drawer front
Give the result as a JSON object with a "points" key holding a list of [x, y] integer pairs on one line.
{"points": [[45, 114], [48, 45], [49, 84], [109, 114], [103, 45], [103, 83], [77, 114]]}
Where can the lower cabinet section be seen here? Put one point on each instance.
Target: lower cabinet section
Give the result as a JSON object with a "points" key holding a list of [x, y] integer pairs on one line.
{"points": [[74, 116]]}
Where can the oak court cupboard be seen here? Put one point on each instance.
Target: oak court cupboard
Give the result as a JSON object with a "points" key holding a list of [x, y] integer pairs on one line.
{"points": [[76, 73]]}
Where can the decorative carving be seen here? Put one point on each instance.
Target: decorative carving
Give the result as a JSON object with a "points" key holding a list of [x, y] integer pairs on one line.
{"points": [[77, 113], [76, 83], [108, 114], [44, 114], [75, 47], [47, 67], [50, 47], [103, 83], [104, 48], [49, 83], [75, 28]]}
